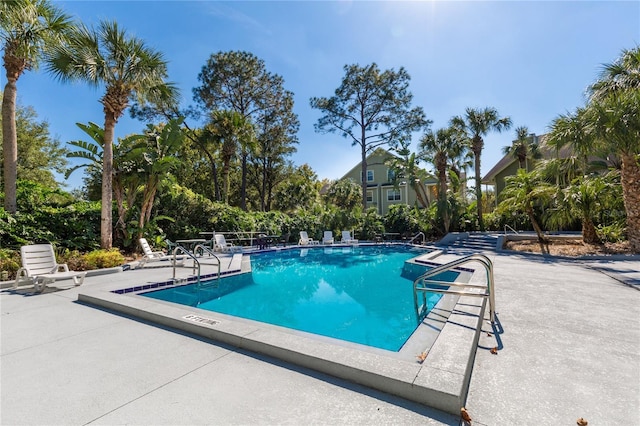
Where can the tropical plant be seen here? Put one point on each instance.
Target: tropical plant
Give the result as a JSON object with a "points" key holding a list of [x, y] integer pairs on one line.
{"points": [[299, 189], [28, 28], [232, 131], [405, 169], [523, 148], [616, 100], [523, 191], [343, 193], [127, 68], [584, 200], [475, 125], [370, 108], [125, 166], [439, 148], [159, 159]]}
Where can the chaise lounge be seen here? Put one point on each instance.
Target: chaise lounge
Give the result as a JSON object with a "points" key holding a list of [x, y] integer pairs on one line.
{"points": [[39, 267], [154, 256]]}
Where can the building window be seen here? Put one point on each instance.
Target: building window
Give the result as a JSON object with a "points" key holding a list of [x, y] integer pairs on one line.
{"points": [[393, 195], [391, 175], [369, 175], [369, 196]]}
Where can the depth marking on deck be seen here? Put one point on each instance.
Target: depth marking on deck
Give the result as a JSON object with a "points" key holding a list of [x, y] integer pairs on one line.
{"points": [[201, 320]]}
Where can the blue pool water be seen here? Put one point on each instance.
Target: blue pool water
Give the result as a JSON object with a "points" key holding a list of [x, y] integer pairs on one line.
{"points": [[358, 294]]}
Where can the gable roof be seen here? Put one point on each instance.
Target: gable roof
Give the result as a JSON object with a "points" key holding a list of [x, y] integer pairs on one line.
{"points": [[546, 151], [377, 152]]}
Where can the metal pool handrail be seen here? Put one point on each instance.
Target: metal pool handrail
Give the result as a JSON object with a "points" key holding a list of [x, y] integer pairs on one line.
{"points": [[416, 236], [507, 226], [188, 253], [211, 253], [421, 283]]}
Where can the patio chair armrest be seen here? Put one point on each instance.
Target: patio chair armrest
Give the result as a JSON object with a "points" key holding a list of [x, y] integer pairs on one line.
{"points": [[63, 266]]}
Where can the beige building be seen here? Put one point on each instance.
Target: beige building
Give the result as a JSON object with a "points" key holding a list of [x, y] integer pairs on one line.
{"points": [[381, 192]]}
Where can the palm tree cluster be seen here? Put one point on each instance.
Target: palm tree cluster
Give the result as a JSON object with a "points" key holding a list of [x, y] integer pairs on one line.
{"points": [[239, 156], [601, 145]]}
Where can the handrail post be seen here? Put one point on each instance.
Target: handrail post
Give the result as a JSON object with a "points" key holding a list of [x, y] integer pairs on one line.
{"points": [[478, 257], [185, 251]]}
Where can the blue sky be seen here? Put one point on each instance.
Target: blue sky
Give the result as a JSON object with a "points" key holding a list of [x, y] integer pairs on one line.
{"points": [[530, 60]]}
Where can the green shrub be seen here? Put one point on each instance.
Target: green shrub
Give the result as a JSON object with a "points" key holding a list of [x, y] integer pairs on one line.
{"points": [[10, 262], [613, 233], [98, 259]]}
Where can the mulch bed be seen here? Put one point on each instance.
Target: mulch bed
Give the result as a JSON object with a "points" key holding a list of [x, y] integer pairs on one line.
{"points": [[570, 247]]}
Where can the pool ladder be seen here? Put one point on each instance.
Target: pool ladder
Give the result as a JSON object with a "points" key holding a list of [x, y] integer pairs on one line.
{"points": [[424, 284], [196, 263]]}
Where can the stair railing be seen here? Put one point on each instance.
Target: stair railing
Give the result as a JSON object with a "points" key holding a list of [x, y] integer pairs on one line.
{"points": [[424, 284]]}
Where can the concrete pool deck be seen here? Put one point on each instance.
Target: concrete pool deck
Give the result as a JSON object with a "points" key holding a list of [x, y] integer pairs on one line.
{"points": [[569, 341]]}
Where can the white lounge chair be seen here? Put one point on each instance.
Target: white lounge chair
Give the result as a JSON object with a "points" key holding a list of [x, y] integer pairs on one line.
{"points": [[155, 256], [39, 267], [347, 239], [327, 238], [305, 240], [220, 244]]}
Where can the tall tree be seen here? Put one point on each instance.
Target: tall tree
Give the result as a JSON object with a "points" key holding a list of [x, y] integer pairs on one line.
{"points": [[299, 189], [239, 81], [28, 28], [370, 108], [523, 148], [39, 155], [476, 124], [277, 131], [438, 149], [108, 57], [232, 131], [614, 113]]}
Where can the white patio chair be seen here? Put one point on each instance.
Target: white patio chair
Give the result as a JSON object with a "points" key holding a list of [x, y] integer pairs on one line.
{"points": [[347, 239], [39, 267], [327, 238], [155, 256], [220, 244], [305, 240]]}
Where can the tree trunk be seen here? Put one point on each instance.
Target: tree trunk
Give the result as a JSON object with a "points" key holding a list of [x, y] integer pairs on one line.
{"points": [[363, 181], [630, 179], [10, 144], [589, 234], [442, 196], [106, 239], [476, 156], [243, 188], [541, 240], [118, 191]]}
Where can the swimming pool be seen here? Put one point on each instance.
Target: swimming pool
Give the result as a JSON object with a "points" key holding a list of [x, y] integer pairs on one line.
{"points": [[357, 294]]}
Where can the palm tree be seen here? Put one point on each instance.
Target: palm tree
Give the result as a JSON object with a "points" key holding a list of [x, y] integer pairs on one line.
{"points": [[126, 157], [438, 149], [475, 124], [614, 115], [405, 167], [127, 69], [583, 199], [521, 192], [523, 148], [27, 29], [234, 133]]}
